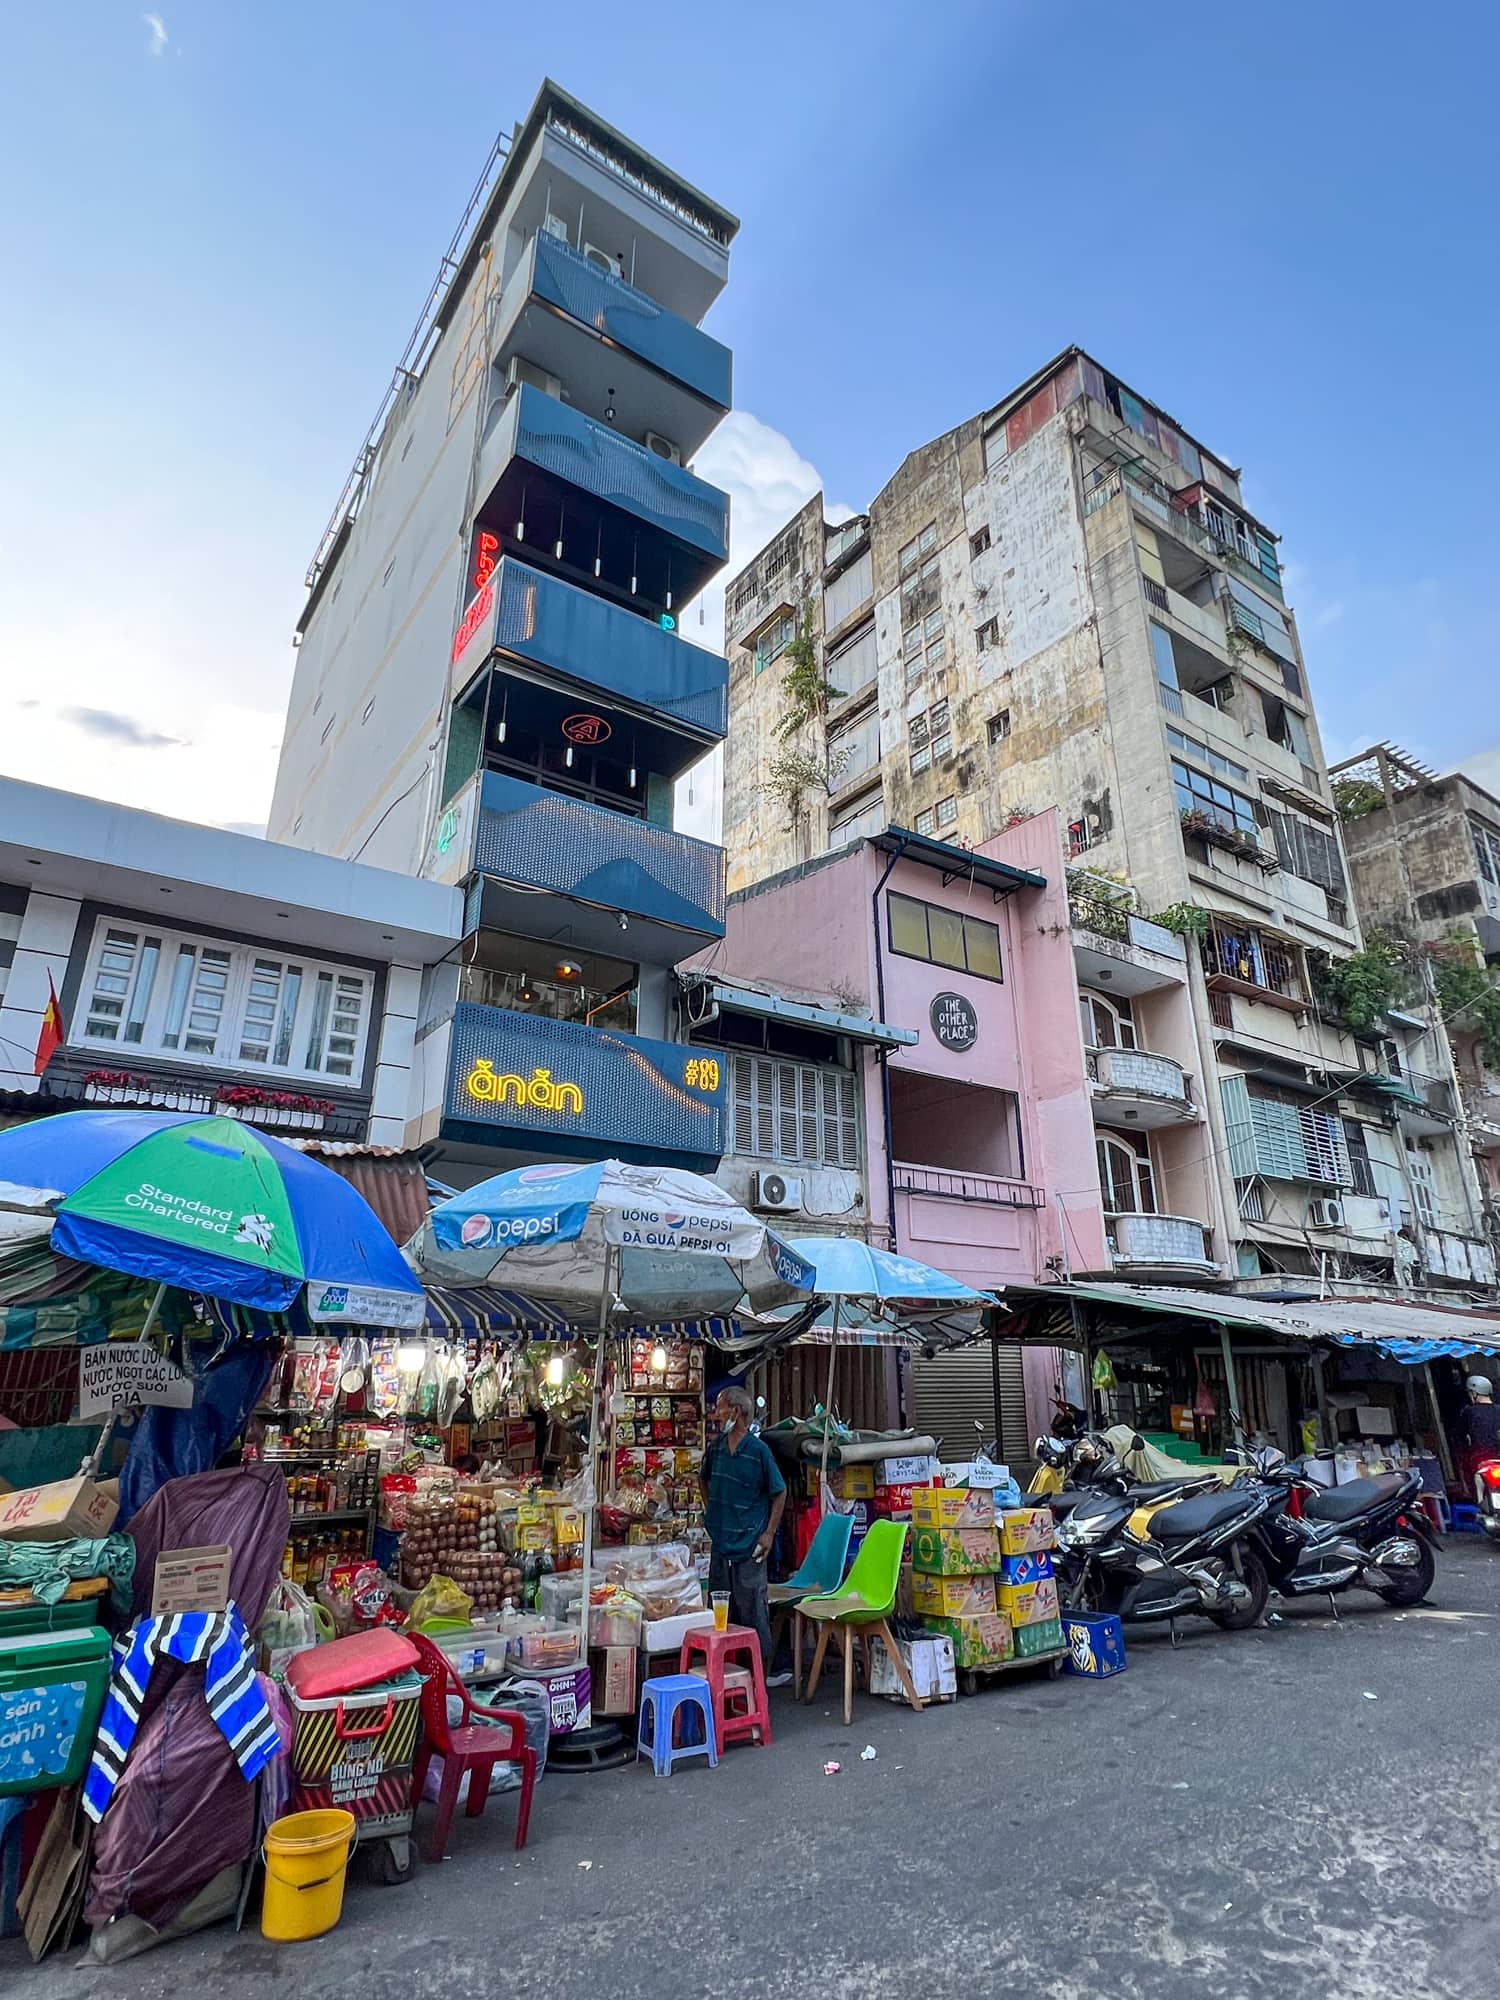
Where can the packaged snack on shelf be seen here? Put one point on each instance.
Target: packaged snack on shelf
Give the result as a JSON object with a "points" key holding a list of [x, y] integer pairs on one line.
{"points": [[615, 1618], [549, 1647]]}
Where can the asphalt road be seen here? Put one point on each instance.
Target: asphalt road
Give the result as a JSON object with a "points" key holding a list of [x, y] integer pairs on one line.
{"points": [[1306, 1811]]}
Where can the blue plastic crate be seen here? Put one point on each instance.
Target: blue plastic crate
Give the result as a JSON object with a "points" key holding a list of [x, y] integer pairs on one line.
{"points": [[1096, 1644]]}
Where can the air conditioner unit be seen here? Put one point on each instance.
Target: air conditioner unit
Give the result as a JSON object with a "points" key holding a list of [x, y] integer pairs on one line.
{"points": [[519, 371], [602, 258], [555, 226], [778, 1193], [1325, 1213], [663, 447]]}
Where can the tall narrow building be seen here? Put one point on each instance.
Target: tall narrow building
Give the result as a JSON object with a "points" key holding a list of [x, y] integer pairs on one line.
{"points": [[491, 687], [1066, 601]]}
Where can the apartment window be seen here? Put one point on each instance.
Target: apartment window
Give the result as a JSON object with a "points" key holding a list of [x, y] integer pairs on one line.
{"points": [[1227, 808], [183, 997], [744, 596], [924, 647], [848, 591], [998, 727], [1192, 746], [853, 750], [1161, 652], [947, 811], [1361, 1172], [1247, 956], [943, 937], [979, 543], [1125, 1177], [860, 822], [996, 446], [773, 642], [778, 560], [918, 547], [926, 821], [1107, 1024], [854, 666], [1285, 727], [1486, 850], [1307, 852], [803, 1113], [929, 738], [1078, 838], [988, 634]]}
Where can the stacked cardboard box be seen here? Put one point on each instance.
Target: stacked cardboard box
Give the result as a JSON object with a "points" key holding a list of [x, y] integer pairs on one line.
{"points": [[897, 1480], [1026, 1592], [955, 1559]]}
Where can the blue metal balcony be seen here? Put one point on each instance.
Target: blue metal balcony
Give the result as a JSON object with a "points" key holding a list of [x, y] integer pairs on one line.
{"points": [[548, 623], [609, 314], [590, 1093], [668, 886], [539, 452]]}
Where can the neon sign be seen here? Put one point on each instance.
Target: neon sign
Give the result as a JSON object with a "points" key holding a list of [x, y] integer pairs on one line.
{"points": [[701, 1073], [586, 729], [480, 607], [538, 1090], [486, 555]]}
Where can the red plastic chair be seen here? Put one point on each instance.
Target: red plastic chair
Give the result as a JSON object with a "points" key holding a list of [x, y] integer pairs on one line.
{"points": [[472, 1747]]}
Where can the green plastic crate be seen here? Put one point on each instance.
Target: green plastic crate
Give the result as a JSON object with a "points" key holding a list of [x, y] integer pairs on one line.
{"points": [[1034, 1640], [64, 1617], [52, 1687]]}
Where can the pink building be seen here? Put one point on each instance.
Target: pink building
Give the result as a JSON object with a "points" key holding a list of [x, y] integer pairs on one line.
{"points": [[979, 1138]]}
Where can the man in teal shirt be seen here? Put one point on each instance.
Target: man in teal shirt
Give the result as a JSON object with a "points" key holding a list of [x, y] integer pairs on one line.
{"points": [[743, 1498]]}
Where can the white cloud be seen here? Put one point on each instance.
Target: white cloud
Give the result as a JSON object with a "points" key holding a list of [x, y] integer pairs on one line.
{"points": [[157, 46], [767, 480]]}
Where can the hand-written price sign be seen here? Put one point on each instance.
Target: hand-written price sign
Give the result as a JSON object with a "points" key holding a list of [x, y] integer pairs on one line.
{"points": [[117, 1374]]}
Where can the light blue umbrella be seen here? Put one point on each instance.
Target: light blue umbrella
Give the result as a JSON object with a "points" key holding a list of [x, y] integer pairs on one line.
{"points": [[865, 1286]]}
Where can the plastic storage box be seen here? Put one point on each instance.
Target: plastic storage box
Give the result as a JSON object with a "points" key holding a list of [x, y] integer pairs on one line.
{"points": [[356, 1751], [1096, 1644], [52, 1687]]}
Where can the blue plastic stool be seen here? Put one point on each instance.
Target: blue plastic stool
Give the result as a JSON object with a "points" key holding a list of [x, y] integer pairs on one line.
{"points": [[1465, 1520], [660, 1701]]}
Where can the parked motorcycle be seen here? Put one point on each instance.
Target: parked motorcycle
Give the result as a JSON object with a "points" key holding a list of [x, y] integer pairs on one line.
{"points": [[1487, 1496], [1149, 1553], [1370, 1534]]}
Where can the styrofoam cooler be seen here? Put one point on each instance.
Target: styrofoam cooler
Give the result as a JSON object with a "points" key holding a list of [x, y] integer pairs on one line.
{"points": [[356, 1751]]}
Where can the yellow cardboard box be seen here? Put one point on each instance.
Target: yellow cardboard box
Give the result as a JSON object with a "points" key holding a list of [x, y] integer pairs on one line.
{"points": [[986, 1641], [955, 1551], [853, 1482], [1028, 1603], [68, 1510], [1024, 1529], [952, 1507], [952, 1596]]}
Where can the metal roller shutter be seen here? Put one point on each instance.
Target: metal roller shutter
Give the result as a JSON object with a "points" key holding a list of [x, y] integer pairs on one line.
{"points": [[949, 1393]]}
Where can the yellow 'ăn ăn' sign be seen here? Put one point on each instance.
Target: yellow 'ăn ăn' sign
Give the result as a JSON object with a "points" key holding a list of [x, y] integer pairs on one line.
{"points": [[538, 1091]]}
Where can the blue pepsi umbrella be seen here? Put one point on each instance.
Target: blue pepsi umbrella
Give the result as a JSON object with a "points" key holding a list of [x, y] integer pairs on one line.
{"points": [[664, 1243], [208, 1205]]}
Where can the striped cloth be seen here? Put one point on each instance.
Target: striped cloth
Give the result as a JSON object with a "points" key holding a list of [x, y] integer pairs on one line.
{"points": [[220, 1641]]}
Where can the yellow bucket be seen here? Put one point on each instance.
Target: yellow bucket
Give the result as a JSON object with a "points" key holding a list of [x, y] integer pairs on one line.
{"points": [[306, 1856]]}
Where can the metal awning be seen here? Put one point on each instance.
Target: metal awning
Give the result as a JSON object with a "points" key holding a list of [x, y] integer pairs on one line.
{"points": [[1414, 1333], [956, 863], [774, 1007]]}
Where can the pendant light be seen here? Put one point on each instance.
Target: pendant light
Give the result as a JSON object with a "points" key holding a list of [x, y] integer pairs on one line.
{"points": [[599, 549], [568, 757], [557, 546], [669, 583], [635, 549], [521, 517], [504, 706], [630, 781]]}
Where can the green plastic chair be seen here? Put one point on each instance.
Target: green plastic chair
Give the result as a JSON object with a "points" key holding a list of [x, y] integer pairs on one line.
{"points": [[860, 1611], [822, 1571]]}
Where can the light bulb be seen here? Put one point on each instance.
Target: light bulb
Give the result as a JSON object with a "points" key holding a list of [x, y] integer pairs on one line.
{"points": [[568, 756], [632, 778], [658, 1357], [556, 1369], [411, 1355]]}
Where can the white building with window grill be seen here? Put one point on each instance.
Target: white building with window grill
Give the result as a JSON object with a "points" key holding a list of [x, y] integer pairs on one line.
{"points": [[200, 970]]}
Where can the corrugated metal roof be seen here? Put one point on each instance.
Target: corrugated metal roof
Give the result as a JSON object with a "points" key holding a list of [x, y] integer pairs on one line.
{"points": [[1343, 1319], [393, 1183]]}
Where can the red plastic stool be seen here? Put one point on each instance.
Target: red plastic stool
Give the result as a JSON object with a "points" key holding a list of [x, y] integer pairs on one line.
{"points": [[739, 1645]]}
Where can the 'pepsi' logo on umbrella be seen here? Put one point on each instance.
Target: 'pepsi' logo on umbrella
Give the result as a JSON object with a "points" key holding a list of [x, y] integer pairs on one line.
{"points": [[476, 1232]]}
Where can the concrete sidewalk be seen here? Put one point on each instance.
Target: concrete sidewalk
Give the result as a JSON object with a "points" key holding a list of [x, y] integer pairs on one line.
{"points": [[1235, 1819]]}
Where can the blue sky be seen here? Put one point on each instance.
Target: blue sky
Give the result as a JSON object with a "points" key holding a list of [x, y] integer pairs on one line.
{"points": [[1276, 222]]}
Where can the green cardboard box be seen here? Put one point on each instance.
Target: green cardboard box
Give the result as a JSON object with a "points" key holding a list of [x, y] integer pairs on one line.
{"points": [[985, 1641], [955, 1551]]}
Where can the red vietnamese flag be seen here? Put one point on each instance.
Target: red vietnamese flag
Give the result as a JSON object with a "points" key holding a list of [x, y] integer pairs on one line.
{"points": [[51, 1036]]}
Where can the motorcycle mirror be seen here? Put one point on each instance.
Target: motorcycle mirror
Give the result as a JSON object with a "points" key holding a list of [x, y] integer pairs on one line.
{"points": [[1137, 1442]]}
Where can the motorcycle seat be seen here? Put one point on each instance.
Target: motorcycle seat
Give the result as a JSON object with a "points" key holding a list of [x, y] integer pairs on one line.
{"points": [[1197, 1516], [1163, 1489], [1342, 1503]]}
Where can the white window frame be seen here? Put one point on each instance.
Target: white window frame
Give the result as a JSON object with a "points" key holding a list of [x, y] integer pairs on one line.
{"points": [[1141, 1175], [254, 980], [1117, 1012]]}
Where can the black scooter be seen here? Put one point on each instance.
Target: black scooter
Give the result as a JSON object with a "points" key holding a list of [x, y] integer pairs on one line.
{"points": [[1370, 1534], [1186, 1556]]}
